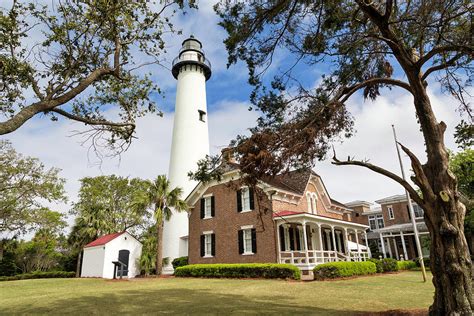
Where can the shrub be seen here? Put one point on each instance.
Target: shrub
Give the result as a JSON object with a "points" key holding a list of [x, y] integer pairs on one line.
{"points": [[343, 269], [179, 262], [406, 265], [389, 265], [426, 261], [40, 275], [249, 270], [378, 264]]}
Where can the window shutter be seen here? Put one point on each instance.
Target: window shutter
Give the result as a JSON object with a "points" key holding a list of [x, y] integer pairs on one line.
{"points": [[203, 206], [408, 211], [239, 201], [241, 241], [282, 238], [251, 198], [202, 245], [254, 240], [213, 207], [213, 244]]}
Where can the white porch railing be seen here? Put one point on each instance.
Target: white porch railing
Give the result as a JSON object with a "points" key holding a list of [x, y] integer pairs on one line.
{"points": [[315, 257]]}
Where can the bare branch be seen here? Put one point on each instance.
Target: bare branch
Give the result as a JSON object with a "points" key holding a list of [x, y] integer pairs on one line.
{"points": [[381, 171], [442, 66], [91, 122], [348, 91], [443, 49]]}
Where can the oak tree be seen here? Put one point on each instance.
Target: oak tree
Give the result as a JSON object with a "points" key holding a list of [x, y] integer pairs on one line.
{"points": [[82, 60], [368, 47]]}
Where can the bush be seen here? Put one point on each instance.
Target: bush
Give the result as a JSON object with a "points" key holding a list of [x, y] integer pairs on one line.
{"points": [[426, 261], [406, 265], [378, 264], [40, 275], [249, 270], [389, 265], [343, 269], [179, 262]]}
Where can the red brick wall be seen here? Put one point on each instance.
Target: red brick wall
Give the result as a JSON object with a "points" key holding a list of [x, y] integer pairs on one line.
{"points": [[400, 212], [227, 223]]}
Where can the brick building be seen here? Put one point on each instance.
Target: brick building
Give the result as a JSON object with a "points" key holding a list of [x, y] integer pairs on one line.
{"points": [[289, 219], [391, 229]]}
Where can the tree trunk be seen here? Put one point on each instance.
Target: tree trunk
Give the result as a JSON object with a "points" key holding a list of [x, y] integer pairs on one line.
{"points": [[78, 264], [159, 247], [450, 260]]}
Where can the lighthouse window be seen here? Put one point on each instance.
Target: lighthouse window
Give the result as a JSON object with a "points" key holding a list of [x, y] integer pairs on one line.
{"points": [[202, 115]]}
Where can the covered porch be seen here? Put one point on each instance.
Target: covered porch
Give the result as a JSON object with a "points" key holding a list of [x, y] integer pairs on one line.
{"points": [[306, 240]]}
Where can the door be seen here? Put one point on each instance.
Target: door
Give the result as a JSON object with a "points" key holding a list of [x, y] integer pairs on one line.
{"points": [[123, 257]]}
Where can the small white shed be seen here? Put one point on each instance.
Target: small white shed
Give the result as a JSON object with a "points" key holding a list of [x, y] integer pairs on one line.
{"points": [[99, 256]]}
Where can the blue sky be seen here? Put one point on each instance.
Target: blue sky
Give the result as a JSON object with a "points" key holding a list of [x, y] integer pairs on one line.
{"points": [[228, 94]]}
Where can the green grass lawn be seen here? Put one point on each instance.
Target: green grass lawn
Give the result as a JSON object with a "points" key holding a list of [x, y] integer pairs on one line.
{"points": [[215, 296]]}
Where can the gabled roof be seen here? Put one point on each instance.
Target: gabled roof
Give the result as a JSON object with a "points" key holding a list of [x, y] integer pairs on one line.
{"points": [[294, 181], [103, 240]]}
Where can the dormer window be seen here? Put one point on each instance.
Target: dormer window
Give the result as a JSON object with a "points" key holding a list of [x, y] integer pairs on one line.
{"points": [[202, 115]]}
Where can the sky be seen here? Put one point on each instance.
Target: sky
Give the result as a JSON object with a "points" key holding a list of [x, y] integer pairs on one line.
{"points": [[228, 115]]}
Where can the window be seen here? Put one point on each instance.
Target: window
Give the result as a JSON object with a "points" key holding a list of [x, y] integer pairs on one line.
{"points": [[208, 242], [311, 199], [380, 222], [245, 200], [247, 241], [391, 215], [418, 211], [372, 222], [207, 207], [202, 115], [376, 221]]}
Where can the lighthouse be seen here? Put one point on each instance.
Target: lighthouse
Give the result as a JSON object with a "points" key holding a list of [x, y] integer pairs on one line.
{"points": [[190, 139]]}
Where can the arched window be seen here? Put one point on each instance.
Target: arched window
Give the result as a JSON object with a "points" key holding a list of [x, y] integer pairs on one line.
{"points": [[314, 203], [309, 201]]}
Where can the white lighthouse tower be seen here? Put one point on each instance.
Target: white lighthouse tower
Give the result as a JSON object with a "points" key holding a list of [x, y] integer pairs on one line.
{"points": [[190, 139]]}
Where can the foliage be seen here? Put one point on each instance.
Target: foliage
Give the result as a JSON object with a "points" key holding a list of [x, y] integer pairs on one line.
{"points": [[464, 135], [107, 204], [147, 259], [162, 199], [342, 269], [378, 264], [25, 184], [426, 261], [96, 49], [39, 275], [389, 265], [406, 265], [180, 262], [249, 270]]}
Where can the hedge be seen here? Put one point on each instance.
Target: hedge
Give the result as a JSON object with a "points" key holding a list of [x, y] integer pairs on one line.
{"points": [[249, 270], [406, 265], [378, 264], [179, 262], [39, 275], [385, 265], [341, 269]]}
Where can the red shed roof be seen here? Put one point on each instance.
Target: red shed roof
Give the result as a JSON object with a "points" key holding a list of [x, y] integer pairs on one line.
{"points": [[103, 240]]}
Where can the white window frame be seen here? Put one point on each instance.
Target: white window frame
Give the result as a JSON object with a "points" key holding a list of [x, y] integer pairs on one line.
{"points": [[247, 241], [391, 214], [309, 200], [207, 206], [208, 244], [377, 218], [287, 238], [373, 218], [245, 196]]}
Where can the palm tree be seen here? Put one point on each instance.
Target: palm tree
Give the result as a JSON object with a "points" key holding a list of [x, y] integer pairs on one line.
{"points": [[161, 198]]}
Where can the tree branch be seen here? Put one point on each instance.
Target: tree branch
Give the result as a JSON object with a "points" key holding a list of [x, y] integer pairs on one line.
{"points": [[348, 91], [381, 171], [443, 49], [90, 121], [442, 66]]}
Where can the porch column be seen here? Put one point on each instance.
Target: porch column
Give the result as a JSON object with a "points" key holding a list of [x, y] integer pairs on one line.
{"points": [[305, 239], [346, 243], [383, 246], [320, 238], [404, 246], [279, 243], [389, 248], [339, 246], [357, 241], [395, 246], [333, 238]]}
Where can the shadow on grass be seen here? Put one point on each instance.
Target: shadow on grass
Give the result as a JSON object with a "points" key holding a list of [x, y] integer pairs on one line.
{"points": [[175, 301]]}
